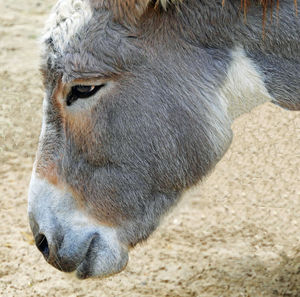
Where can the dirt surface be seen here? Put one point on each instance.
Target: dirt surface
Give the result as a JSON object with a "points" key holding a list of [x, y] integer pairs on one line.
{"points": [[238, 234]]}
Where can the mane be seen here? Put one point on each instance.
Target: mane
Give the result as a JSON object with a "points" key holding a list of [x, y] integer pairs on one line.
{"points": [[132, 10], [266, 5], [244, 3]]}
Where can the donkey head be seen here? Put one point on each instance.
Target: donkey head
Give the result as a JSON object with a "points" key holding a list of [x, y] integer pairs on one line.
{"points": [[129, 121]]}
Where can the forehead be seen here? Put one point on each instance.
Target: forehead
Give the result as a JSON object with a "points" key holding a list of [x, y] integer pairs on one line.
{"points": [[82, 40]]}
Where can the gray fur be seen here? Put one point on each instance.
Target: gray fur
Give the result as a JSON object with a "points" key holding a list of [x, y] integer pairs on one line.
{"points": [[164, 127]]}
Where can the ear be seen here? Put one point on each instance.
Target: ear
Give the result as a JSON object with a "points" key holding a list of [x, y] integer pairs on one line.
{"points": [[132, 10]]}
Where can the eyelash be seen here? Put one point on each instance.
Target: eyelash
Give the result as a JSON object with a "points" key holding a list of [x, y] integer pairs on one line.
{"points": [[76, 94]]}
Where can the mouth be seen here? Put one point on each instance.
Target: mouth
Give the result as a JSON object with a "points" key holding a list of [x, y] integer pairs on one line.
{"points": [[68, 239], [89, 255], [100, 262]]}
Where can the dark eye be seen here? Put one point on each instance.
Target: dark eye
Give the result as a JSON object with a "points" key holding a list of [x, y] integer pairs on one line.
{"points": [[80, 92]]}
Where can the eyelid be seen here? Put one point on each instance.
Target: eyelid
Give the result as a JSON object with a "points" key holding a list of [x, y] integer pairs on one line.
{"points": [[74, 96], [82, 87], [88, 82], [89, 93]]}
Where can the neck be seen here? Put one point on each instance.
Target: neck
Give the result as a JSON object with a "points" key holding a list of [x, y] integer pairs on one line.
{"points": [[241, 52], [243, 88], [205, 32]]}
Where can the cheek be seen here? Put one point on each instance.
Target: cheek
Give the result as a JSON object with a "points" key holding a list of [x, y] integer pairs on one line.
{"points": [[84, 138], [74, 161], [84, 171], [93, 192], [70, 158], [101, 202]]}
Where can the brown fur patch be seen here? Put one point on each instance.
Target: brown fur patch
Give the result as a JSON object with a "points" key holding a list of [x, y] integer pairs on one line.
{"points": [[56, 95], [47, 170], [80, 126], [45, 162]]}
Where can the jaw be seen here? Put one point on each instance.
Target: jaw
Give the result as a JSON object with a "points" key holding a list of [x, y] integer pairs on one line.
{"points": [[72, 241]]}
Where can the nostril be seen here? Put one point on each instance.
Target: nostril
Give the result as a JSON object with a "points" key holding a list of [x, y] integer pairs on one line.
{"points": [[42, 244]]}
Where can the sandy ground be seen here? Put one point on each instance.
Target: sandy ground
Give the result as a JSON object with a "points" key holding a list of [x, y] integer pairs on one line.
{"points": [[238, 234]]}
